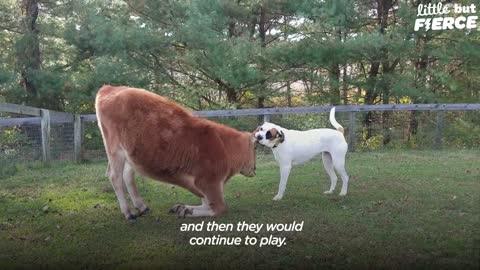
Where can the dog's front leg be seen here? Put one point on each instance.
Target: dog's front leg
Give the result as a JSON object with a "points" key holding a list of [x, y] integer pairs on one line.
{"points": [[284, 173]]}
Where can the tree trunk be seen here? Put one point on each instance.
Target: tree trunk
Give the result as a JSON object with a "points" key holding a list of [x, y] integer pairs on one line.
{"points": [[370, 97], [345, 86], [383, 6], [420, 66], [412, 125], [262, 33], [334, 81], [289, 95], [386, 115], [30, 56], [386, 124], [232, 96]]}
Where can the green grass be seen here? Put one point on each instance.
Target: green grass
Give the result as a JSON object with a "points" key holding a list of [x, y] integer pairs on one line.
{"points": [[409, 209]]}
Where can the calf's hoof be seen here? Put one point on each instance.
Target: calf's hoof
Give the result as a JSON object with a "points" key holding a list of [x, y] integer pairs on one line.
{"points": [[144, 212], [175, 208], [132, 218]]}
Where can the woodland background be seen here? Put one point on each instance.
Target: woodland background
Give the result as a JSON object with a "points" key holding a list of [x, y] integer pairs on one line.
{"points": [[214, 54]]}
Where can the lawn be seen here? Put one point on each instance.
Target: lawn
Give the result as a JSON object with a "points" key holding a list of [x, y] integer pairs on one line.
{"points": [[405, 209]]}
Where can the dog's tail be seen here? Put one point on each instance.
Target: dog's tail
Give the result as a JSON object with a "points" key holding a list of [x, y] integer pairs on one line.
{"points": [[334, 122]]}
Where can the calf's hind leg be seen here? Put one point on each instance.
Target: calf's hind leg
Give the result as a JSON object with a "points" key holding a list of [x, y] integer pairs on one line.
{"points": [[116, 168], [129, 179]]}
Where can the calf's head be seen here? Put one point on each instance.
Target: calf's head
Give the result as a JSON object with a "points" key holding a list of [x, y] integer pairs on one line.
{"points": [[250, 165]]}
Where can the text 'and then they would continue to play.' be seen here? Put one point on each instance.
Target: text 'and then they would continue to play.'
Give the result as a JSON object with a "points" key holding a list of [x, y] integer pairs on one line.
{"points": [[249, 240]]}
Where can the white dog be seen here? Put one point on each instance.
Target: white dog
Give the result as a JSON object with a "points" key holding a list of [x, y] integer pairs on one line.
{"points": [[292, 147]]}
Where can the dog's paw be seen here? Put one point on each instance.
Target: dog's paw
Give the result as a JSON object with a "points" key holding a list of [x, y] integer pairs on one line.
{"points": [[328, 192], [343, 193], [277, 197]]}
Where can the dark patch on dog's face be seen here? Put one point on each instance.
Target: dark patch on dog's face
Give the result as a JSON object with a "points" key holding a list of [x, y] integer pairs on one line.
{"points": [[271, 134], [268, 135]]}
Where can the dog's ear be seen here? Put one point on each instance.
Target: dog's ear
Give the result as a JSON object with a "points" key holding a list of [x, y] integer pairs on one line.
{"points": [[281, 136]]}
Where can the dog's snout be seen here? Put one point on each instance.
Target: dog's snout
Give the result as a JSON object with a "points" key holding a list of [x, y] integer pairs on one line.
{"points": [[259, 137]]}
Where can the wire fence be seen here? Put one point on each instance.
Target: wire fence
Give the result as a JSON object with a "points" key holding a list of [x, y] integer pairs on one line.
{"points": [[33, 134]]}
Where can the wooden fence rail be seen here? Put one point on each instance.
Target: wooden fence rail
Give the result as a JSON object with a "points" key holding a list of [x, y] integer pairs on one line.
{"points": [[45, 118]]}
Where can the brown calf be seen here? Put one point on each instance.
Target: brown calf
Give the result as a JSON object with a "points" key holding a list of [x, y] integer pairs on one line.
{"points": [[147, 133]]}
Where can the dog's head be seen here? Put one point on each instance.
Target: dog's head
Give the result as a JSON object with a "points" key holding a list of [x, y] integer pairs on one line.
{"points": [[269, 135]]}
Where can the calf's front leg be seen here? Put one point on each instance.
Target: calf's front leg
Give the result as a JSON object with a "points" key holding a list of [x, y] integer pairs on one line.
{"points": [[213, 203], [183, 210]]}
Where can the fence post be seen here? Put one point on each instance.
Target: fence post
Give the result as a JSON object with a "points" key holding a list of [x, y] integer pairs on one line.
{"points": [[45, 130], [351, 132], [266, 118], [438, 130], [78, 138]]}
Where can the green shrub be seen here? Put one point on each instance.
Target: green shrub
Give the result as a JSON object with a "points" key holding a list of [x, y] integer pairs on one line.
{"points": [[373, 143], [462, 133], [7, 166], [12, 138], [92, 137]]}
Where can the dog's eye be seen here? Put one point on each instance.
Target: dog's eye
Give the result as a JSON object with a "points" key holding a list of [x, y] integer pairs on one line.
{"points": [[261, 129]]}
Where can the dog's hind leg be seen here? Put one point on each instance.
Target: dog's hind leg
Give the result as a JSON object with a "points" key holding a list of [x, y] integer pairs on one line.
{"points": [[339, 164], [328, 164]]}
